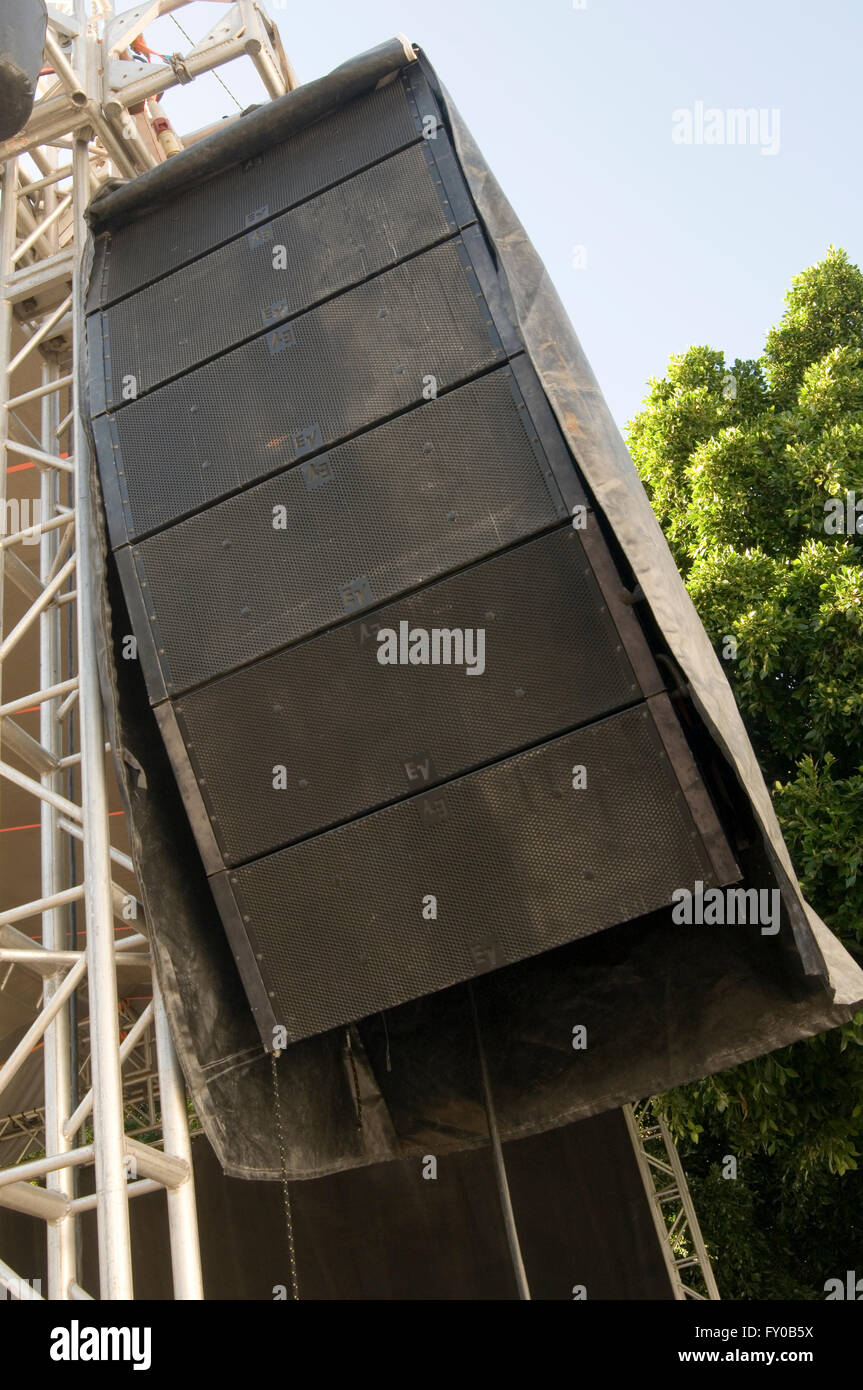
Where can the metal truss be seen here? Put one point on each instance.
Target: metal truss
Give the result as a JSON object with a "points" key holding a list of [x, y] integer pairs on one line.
{"points": [[22, 1136], [110, 1071], [677, 1227]]}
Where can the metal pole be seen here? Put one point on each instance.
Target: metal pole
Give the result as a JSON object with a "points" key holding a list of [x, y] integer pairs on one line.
{"points": [[62, 1262], [24, 1173], [182, 1213], [8, 225], [130, 1042], [18, 1056], [497, 1155], [115, 1258]]}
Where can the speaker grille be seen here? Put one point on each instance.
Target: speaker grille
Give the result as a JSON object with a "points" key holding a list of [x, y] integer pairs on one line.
{"points": [[383, 513], [329, 373], [351, 441], [240, 197], [518, 860], [345, 235], [353, 734]]}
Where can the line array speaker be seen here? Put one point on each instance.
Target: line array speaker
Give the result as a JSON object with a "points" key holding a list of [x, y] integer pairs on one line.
{"points": [[417, 727]]}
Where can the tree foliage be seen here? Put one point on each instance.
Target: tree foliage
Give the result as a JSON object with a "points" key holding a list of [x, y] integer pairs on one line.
{"points": [[740, 462]]}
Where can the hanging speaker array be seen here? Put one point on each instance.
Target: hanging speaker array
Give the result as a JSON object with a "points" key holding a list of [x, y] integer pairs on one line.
{"points": [[416, 724]]}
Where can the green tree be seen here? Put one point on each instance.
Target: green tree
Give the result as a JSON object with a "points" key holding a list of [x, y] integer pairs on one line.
{"points": [[740, 462]]}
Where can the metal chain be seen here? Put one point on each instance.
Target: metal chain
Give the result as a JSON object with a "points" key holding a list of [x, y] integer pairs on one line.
{"points": [[286, 1193]]}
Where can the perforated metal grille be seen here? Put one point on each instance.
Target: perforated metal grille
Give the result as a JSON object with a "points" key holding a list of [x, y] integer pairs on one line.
{"points": [[327, 374], [350, 232], [352, 733], [447, 483], [518, 861], [240, 197]]}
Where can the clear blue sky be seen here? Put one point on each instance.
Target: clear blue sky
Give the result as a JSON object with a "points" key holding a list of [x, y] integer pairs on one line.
{"points": [[572, 108]]}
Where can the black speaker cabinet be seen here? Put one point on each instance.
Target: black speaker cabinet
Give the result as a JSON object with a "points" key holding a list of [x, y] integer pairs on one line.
{"points": [[417, 726]]}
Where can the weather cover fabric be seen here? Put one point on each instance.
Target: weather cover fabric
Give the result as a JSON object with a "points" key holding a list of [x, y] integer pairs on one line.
{"points": [[662, 1003]]}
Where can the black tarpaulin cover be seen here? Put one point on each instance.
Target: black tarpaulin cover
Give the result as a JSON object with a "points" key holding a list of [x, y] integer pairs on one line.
{"points": [[582, 1221], [662, 1003]]}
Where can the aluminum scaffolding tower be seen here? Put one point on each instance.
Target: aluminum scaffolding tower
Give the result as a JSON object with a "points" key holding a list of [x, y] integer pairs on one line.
{"points": [[109, 1071], [96, 116]]}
